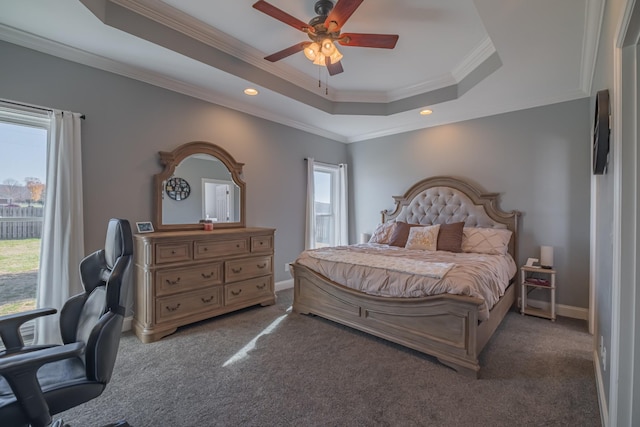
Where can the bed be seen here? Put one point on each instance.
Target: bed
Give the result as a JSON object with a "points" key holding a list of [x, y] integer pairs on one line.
{"points": [[452, 327]]}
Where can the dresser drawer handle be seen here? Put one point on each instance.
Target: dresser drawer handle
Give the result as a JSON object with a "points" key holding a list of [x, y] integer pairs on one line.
{"points": [[206, 300], [236, 270], [235, 294], [207, 276], [205, 249], [261, 243], [237, 245], [174, 308], [263, 265], [264, 285], [173, 252], [173, 282]]}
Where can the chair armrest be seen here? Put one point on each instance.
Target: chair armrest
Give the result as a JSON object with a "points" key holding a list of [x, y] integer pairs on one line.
{"points": [[21, 372], [10, 327], [35, 359]]}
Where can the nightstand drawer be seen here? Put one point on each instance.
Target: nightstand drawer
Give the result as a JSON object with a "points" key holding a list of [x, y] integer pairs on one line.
{"points": [[176, 280], [174, 307], [212, 249], [248, 290], [247, 268], [173, 252]]}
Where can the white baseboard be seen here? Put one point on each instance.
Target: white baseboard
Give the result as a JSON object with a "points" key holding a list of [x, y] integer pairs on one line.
{"points": [[279, 286], [126, 323], [285, 284], [602, 398], [561, 309]]}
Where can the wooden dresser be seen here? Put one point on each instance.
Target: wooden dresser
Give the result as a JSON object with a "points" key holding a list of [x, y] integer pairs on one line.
{"points": [[187, 276]]}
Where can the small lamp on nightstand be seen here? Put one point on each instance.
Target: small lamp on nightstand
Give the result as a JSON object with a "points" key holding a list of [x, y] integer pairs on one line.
{"points": [[546, 257]]}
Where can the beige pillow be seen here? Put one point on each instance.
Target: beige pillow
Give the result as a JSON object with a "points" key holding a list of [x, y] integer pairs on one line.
{"points": [[492, 241], [423, 238], [382, 234]]}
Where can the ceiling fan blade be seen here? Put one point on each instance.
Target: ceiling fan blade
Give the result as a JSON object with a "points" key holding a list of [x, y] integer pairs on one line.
{"points": [[282, 16], [333, 68], [382, 41], [286, 52], [340, 13]]}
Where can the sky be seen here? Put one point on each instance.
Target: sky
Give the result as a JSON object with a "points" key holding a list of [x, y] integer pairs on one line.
{"points": [[23, 153]]}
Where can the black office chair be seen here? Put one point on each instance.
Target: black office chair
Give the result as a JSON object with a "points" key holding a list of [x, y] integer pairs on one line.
{"points": [[37, 382]]}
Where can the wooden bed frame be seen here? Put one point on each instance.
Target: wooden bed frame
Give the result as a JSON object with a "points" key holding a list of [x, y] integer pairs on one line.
{"points": [[444, 326]]}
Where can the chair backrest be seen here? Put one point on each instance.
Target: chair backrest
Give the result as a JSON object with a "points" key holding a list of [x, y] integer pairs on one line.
{"points": [[95, 317]]}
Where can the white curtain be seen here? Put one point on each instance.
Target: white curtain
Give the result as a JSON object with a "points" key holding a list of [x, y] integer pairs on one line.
{"points": [[310, 229], [342, 222], [62, 245]]}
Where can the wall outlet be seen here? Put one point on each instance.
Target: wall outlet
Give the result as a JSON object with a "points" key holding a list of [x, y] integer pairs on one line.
{"points": [[286, 267], [601, 346], [604, 359]]}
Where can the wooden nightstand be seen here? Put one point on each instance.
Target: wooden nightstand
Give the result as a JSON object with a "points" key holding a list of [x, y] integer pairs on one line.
{"points": [[537, 278]]}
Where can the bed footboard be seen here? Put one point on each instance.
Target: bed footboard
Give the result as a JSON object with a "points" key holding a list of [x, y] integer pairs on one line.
{"points": [[443, 326]]}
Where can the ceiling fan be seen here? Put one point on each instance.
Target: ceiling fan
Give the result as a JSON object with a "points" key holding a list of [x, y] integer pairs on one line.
{"points": [[324, 30]]}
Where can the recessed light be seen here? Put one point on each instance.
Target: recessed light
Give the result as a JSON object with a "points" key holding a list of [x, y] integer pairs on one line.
{"points": [[250, 91], [425, 112]]}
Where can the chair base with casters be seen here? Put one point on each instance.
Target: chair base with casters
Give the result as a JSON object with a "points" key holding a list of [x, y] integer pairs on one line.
{"points": [[37, 382]]}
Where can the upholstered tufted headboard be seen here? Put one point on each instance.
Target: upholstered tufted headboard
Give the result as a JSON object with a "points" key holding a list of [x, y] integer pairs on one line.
{"points": [[443, 200]]}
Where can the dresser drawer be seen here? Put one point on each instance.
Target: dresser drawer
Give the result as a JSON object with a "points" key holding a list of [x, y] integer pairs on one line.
{"points": [[247, 268], [261, 244], [248, 290], [173, 252], [212, 249], [177, 306], [174, 280]]}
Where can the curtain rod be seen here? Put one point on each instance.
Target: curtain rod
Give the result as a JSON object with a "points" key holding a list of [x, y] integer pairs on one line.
{"points": [[325, 164], [33, 106]]}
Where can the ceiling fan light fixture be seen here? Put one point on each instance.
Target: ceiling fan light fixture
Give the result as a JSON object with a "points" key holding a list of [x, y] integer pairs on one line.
{"points": [[320, 60], [335, 57], [312, 51], [328, 47]]}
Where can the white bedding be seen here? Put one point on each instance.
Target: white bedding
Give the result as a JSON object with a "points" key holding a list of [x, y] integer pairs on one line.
{"points": [[391, 271]]}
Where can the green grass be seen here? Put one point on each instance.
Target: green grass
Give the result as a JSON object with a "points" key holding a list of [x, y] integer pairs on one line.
{"points": [[19, 262], [18, 256]]}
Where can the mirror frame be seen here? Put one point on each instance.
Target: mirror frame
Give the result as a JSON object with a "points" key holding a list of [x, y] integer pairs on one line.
{"points": [[170, 160]]}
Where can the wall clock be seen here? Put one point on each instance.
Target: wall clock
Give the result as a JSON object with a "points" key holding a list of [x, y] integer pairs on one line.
{"points": [[601, 133], [177, 188]]}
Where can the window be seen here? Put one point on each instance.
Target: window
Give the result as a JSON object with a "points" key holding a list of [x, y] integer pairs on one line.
{"points": [[329, 200], [23, 144]]}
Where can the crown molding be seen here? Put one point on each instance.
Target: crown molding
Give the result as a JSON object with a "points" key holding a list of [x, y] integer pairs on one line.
{"points": [[186, 24], [476, 114], [177, 20], [30, 41], [474, 59]]}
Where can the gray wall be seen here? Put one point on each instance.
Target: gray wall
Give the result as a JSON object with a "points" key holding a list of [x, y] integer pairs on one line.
{"points": [[537, 159], [128, 122]]}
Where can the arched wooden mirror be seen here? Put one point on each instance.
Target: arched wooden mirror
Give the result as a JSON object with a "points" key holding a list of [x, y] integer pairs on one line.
{"points": [[200, 181]]}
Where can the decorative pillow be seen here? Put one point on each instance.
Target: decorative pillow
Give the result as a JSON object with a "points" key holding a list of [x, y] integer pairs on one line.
{"points": [[400, 233], [423, 238], [382, 234], [492, 241], [450, 237]]}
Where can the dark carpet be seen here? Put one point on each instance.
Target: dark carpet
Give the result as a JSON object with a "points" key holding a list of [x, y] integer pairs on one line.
{"points": [[307, 371]]}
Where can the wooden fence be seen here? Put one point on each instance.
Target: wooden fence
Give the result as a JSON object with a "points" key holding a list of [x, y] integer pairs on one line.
{"points": [[20, 222]]}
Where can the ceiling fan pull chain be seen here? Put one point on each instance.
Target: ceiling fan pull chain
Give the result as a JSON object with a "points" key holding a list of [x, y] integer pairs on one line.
{"points": [[326, 84]]}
